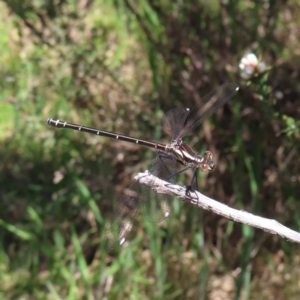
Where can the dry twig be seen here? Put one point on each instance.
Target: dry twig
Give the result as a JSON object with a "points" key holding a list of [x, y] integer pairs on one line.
{"points": [[196, 198]]}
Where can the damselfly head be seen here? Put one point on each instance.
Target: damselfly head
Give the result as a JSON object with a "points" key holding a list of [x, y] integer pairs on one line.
{"points": [[207, 164]]}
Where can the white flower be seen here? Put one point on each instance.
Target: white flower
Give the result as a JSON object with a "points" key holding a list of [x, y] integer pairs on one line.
{"points": [[252, 59], [261, 67], [278, 95], [245, 75], [249, 65]]}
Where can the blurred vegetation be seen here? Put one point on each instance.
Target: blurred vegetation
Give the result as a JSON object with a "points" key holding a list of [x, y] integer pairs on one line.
{"points": [[119, 65]]}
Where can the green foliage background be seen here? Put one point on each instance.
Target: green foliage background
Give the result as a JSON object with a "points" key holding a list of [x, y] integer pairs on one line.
{"points": [[119, 65]]}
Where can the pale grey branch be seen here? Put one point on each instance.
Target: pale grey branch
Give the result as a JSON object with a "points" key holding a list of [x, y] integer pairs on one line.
{"points": [[196, 198]]}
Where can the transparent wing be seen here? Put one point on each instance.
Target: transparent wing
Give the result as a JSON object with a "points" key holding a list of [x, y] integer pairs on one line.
{"points": [[173, 121], [125, 216], [137, 197], [210, 103], [177, 122], [159, 206]]}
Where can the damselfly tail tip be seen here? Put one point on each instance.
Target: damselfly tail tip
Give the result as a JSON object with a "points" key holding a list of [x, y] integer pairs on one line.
{"points": [[50, 121]]}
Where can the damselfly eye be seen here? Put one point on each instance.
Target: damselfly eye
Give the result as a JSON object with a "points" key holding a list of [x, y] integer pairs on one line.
{"points": [[204, 167], [211, 166], [208, 155]]}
